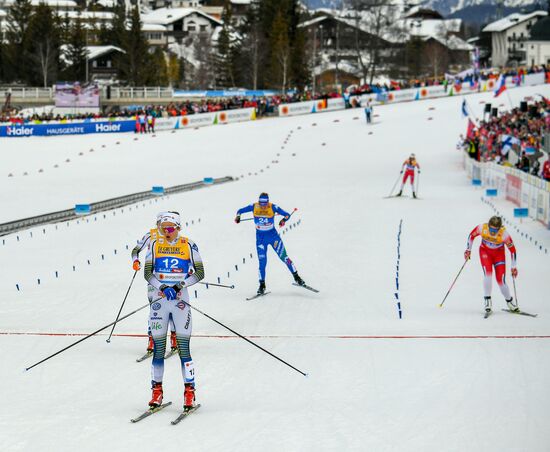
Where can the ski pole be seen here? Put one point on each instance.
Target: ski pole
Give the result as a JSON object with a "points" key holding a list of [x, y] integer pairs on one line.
{"points": [[291, 213], [86, 337], [245, 338], [417, 183], [121, 306], [395, 185], [232, 286], [247, 219], [515, 293], [450, 288]]}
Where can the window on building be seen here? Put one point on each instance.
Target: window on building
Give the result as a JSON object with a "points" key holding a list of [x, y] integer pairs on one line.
{"points": [[191, 26], [521, 45], [203, 27]]}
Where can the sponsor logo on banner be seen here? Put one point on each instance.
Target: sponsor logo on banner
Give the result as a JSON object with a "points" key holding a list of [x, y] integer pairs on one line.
{"points": [[335, 104], [20, 131], [513, 189], [75, 130], [198, 120], [107, 127], [299, 108], [240, 115]]}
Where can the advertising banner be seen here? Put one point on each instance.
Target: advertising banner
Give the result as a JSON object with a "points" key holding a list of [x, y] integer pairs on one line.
{"points": [[197, 120], [513, 189], [298, 108], [240, 115], [79, 128], [336, 104]]}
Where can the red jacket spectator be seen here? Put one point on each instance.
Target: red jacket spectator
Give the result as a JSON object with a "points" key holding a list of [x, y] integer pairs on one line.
{"points": [[546, 170]]}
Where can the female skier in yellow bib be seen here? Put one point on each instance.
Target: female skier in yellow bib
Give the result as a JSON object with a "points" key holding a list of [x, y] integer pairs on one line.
{"points": [[173, 263]]}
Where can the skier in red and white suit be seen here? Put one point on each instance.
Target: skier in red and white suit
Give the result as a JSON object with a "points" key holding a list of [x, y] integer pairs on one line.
{"points": [[408, 167], [494, 238]]}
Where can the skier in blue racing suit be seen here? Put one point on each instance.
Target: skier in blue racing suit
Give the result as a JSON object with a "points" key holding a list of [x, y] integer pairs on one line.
{"points": [[266, 235]]}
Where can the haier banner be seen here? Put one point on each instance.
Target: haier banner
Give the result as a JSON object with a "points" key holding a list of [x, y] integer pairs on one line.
{"points": [[33, 130]]}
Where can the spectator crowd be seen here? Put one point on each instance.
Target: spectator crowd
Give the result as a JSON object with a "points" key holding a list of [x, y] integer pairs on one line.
{"points": [[514, 138]]}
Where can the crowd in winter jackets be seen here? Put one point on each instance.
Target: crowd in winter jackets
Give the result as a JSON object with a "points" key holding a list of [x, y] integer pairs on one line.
{"points": [[514, 138]]}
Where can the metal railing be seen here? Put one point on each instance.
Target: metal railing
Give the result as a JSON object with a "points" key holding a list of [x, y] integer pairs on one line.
{"points": [[27, 93], [145, 92], [96, 207], [138, 93]]}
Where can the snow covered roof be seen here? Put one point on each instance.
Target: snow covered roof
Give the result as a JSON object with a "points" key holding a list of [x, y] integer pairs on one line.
{"points": [[431, 27], [3, 13], [512, 20], [107, 3], [452, 42], [153, 27], [53, 3], [241, 2], [317, 20], [85, 15], [97, 51], [166, 16], [93, 51], [419, 11]]}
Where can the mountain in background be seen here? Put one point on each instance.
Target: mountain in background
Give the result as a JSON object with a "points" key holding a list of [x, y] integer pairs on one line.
{"points": [[448, 7], [472, 12]]}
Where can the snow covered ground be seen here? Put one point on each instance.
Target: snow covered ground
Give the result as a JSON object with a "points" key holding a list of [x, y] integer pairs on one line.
{"points": [[437, 379]]}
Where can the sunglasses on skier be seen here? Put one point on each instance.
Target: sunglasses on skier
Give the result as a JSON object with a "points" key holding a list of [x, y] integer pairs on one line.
{"points": [[169, 229], [493, 230]]}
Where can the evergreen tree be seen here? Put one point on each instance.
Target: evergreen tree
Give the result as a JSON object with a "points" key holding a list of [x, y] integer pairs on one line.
{"points": [[280, 53], [225, 51], [133, 64], [104, 35], [116, 34], [43, 49], [158, 69], [76, 53], [16, 61], [252, 48]]}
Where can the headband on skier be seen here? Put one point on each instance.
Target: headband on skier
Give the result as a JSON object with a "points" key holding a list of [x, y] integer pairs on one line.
{"points": [[160, 215], [263, 199], [171, 217]]}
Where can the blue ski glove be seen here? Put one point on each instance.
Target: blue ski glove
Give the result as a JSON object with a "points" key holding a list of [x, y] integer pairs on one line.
{"points": [[170, 293]]}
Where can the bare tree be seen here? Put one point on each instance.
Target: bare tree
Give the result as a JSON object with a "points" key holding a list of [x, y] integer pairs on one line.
{"points": [[373, 22], [280, 48], [436, 51], [44, 56]]}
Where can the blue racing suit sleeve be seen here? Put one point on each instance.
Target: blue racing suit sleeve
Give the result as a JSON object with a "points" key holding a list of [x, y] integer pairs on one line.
{"points": [[280, 211], [249, 208]]}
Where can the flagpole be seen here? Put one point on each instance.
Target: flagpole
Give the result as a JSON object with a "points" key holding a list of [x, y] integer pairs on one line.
{"points": [[509, 99], [470, 111]]}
